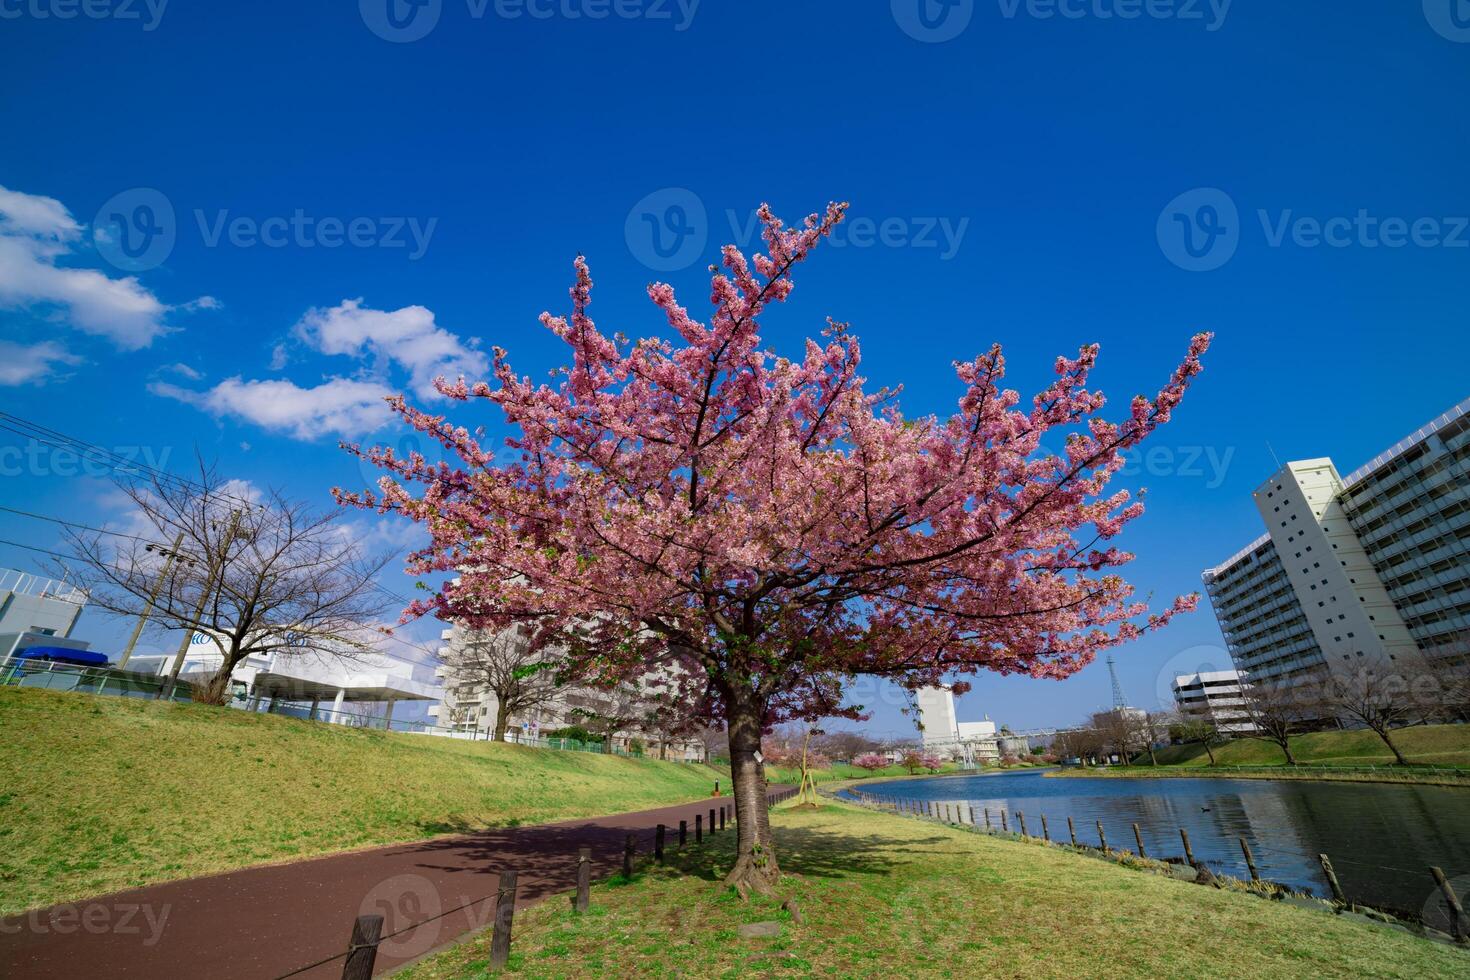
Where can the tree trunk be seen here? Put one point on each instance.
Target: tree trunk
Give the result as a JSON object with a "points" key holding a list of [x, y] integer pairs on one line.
{"points": [[1210, 752], [502, 719], [1387, 740], [1286, 748], [1152, 759], [217, 689], [755, 866]]}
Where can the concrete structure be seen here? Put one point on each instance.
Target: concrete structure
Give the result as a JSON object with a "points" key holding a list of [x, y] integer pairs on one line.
{"points": [[470, 708], [1215, 696], [37, 611], [1368, 571], [361, 690], [946, 736]]}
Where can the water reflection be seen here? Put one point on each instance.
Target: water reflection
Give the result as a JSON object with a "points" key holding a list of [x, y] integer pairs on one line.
{"points": [[1381, 838]]}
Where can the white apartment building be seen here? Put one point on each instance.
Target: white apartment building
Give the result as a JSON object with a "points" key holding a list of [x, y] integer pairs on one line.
{"points": [[1368, 571], [470, 707], [946, 736], [1215, 696]]}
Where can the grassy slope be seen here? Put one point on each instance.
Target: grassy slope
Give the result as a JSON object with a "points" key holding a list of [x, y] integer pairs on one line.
{"points": [[1445, 745], [98, 794], [884, 896]]}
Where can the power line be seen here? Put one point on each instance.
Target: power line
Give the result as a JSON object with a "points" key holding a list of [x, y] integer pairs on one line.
{"points": [[84, 527], [44, 551]]}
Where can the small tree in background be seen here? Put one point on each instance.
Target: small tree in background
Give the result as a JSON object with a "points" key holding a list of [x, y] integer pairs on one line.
{"points": [[1279, 709], [1201, 729], [931, 762], [505, 663], [870, 761], [912, 760], [773, 521]]}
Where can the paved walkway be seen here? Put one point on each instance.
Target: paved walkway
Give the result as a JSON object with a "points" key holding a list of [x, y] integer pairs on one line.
{"points": [[269, 921]]}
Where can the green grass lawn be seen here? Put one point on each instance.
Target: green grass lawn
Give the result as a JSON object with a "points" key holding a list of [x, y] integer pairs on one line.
{"points": [[884, 896], [99, 793], [1445, 745]]}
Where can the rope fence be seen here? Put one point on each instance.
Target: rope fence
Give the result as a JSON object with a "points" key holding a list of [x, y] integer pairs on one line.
{"points": [[980, 821], [360, 955]]}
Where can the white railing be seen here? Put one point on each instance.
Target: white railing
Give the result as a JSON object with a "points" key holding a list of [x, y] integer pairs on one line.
{"points": [[25, 583]]}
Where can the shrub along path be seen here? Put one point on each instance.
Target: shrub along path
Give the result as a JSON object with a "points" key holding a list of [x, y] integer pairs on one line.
{"points": [[268, 921]]}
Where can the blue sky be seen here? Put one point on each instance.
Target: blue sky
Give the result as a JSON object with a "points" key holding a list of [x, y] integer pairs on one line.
{"points": [[307, 208]]}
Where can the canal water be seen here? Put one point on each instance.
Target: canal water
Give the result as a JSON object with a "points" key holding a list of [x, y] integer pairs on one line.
{"points": [[1381, 838]]}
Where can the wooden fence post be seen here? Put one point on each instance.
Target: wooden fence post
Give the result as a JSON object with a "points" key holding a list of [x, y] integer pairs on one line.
{"points": [[584, 879], [1138, 836], [987, 818], [1005, 828], [1457, 914], [1250, 860], [698, 828], [1021, 819], [1045, 831], [1102, 838], [1188, 851], [505, 908], [973, 821], [722, 818], [683, 832], [1337, 895], [658, 844], [362, 949], [712, 820], [1071, 830]]}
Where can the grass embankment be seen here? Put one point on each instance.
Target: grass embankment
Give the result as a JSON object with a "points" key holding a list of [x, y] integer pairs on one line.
{"points": [[1440, 745], [884, 896], [99, 794]]}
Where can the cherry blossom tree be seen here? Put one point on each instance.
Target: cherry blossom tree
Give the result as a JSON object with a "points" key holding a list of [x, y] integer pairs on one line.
{"points": [[771, 521], [870, 761]]}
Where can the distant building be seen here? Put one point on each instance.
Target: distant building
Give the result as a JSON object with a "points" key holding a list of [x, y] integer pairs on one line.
{"points": [[1214, 696], [1368, 571], [943, 734], [37, 611], [470, 708]]}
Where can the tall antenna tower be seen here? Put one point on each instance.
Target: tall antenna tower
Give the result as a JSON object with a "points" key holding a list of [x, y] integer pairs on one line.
{"points": [[1119, 702]]}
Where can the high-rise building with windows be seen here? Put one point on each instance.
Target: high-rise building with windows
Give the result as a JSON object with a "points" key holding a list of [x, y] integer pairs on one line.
{"points": [[1368, 570]]}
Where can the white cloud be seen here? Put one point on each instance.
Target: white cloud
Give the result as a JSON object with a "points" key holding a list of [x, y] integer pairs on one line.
{"points": [[340, 405], [407, 337], [184, 370], [35, 232], [21, 364]]}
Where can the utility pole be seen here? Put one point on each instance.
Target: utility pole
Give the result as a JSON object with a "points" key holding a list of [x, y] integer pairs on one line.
{"points": [[170, 556], [216, 568]]}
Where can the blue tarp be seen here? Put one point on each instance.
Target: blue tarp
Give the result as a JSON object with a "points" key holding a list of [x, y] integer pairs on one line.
{"points": [[64, 655]]}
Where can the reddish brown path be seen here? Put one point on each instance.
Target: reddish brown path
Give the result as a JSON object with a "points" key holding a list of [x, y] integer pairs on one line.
{"points": [[266, 922]]}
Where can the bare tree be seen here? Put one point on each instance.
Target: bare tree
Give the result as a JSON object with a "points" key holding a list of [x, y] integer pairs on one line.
{"points": [[1119, 731], [1152, 728], [256, 575], [1280, 708], [508, 665], [1201, 729], [844, 746], [1382, 703]]}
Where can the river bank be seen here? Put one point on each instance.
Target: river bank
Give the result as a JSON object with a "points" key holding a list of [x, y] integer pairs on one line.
{"points": [[882, 896], [1343, 774], [1382, 838]]}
